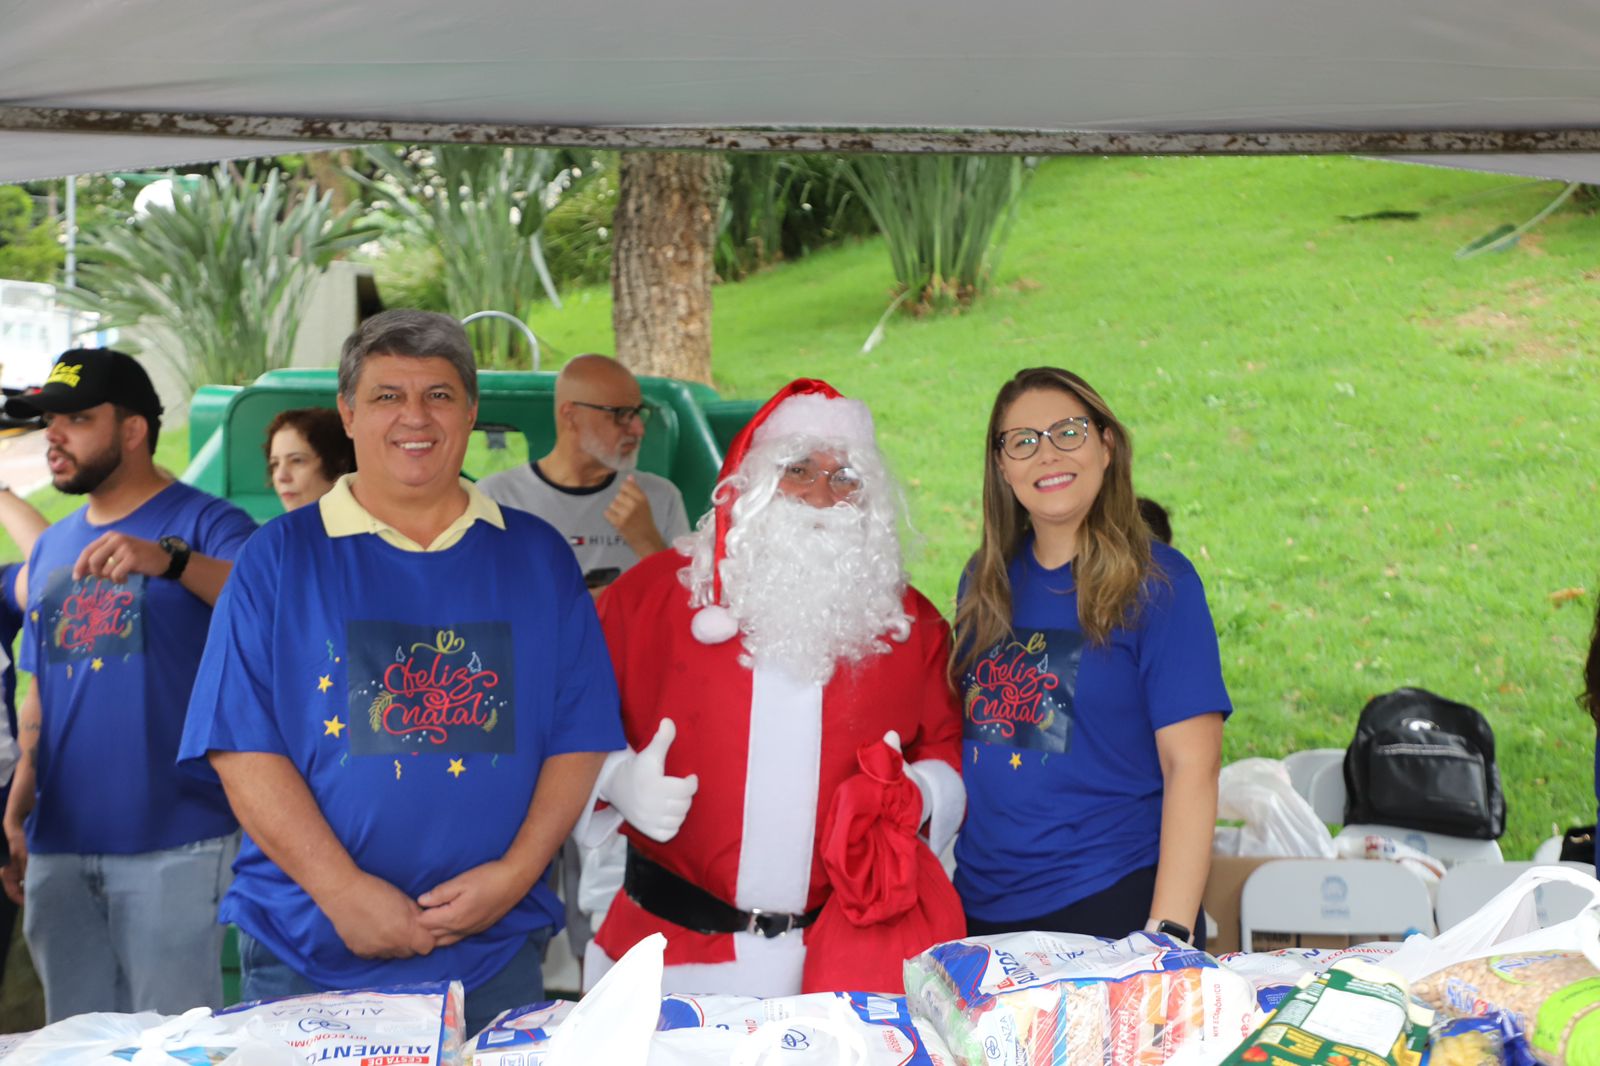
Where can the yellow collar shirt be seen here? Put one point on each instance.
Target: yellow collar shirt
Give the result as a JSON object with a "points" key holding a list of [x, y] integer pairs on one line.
{"points": [[343, 516]]}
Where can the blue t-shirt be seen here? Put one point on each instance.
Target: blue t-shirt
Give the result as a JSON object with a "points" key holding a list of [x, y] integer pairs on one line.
{"points": [[114, 664], [419, 695], [1063, 780]]}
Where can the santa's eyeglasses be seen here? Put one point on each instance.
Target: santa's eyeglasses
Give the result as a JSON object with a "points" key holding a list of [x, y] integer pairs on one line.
{"points": [[843, 480]]}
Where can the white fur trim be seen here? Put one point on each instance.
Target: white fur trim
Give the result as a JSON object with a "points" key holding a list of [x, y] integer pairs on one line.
{"points": [[813, 415], [944, 800], [713, 625], [780, 796]]}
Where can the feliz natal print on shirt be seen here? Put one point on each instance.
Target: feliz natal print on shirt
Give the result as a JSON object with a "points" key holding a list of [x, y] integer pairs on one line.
{"points": [[1020, 692], [92, 618], [417, 689]]}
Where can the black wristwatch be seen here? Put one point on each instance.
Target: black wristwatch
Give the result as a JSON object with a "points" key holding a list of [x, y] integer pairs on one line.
{"points": [[178, 548], [1175, 931]]}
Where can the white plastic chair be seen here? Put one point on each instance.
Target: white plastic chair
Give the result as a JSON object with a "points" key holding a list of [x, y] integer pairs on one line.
{"points": [[1327, 793], [1467, 887], [1448, 850], [1303, 766], [1549, 850], [1333, 897]]}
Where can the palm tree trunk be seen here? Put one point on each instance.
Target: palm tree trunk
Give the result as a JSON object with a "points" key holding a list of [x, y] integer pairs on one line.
{"points": [[663, 245]]}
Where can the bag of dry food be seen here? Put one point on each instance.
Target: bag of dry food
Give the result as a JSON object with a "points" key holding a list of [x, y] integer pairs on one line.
{"points": [[1042, 999], [414, 1025], [1275, 974], [518, 1037], [1354, 1013], [1552, 996], [1495, 1040]]}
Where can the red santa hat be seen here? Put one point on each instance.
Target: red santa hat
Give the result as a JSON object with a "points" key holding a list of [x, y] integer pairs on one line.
{"points": [[806, 408]]}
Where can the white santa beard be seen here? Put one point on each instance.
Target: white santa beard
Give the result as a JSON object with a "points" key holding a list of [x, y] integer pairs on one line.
{"points": [[811, 587]]}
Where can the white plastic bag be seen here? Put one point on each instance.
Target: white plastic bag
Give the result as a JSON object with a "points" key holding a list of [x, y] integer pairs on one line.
{"points": [[1278, 821], [613, 1022], [149, 1039], [1507, 925]]}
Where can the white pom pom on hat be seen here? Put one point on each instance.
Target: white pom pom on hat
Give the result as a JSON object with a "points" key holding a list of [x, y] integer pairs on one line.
{"points": [[806, 407]]}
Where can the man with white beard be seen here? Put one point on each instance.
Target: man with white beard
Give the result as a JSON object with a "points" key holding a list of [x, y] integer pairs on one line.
{"points": [[588, 486], [738, 746]]}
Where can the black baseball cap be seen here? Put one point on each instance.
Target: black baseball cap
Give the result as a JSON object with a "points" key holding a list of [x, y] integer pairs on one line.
{"points": [[85, 378]]}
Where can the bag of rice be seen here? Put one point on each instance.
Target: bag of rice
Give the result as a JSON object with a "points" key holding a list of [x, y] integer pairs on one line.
{"points": [[1040, 999], [1553, 996], [398, 1025]]}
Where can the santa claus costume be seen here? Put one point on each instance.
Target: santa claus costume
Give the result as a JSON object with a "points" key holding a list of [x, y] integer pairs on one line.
{"points": [[768, 740]]}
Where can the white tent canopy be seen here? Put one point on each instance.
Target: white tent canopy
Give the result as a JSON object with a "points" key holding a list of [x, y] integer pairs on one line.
{"points": [[1039, 75]]}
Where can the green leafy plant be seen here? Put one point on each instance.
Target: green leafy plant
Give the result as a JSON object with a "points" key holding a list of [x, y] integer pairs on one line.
{"points": [[484, 208], [29, 251], [227, 270], [780, 207], [944, 220]]}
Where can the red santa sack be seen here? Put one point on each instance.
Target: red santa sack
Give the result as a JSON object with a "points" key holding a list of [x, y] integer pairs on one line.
{"points": [[891, 899]]}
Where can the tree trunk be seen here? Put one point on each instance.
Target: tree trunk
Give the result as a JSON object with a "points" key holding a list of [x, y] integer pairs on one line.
{"points": [[663, 242]]}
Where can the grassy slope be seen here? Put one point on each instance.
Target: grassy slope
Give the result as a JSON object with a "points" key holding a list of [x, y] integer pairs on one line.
{"points": [[1381, 460]]}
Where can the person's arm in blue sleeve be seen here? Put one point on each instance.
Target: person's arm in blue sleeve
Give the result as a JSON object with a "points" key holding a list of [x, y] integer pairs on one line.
{"points": [[225, 528], [1188, 702]]}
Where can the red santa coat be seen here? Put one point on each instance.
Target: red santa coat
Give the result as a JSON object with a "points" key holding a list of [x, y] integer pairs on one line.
{"points": [[769, 752]]}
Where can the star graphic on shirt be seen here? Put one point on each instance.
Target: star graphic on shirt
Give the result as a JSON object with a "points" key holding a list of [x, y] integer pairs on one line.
{"points": [[97, 664], [324, 683], [455, 769], [332, 727], [1016, 761], [34, 616]]}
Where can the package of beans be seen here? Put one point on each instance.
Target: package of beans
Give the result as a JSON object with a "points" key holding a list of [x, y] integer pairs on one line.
{"points": [[1553, 996]]}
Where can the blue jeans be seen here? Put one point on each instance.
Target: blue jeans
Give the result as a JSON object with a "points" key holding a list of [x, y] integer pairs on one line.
{"points": [[262, 975], [128, 932]]}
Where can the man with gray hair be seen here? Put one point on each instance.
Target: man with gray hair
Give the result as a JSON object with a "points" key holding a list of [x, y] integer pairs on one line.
{"points": [[405, 733]]}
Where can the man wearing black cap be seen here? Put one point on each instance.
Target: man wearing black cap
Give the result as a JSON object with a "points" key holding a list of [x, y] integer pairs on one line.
{"points": [[121, 856]]}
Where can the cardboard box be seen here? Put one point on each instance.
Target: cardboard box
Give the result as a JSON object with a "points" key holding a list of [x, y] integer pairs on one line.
{"points": [[1225, 887]]}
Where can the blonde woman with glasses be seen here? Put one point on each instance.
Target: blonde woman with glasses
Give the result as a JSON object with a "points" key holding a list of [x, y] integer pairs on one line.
{"points": [[1091, 685]]}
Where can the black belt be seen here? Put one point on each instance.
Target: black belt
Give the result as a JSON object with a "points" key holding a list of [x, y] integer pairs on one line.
{"points": [[668, 896]]}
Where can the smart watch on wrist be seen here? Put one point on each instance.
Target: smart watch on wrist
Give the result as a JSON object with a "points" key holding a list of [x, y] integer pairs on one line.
{"points": [[1169, 928], [178, 548]]}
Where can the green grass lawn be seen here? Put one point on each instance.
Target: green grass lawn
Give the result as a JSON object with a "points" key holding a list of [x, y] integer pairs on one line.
{"points": [[1383, 461]]}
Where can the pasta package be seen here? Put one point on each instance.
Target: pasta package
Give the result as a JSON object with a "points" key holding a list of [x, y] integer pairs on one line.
{"points": [[1495, 1040], [1355, 1014], [1038, 999], [1553, 996]]}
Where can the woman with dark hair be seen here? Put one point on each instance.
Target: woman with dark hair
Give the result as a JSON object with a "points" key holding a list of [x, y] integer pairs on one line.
{"points": [[307, 451], [1590, 700], [1092, 686]]}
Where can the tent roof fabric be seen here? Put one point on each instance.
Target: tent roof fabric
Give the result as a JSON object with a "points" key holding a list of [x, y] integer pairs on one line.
{"points": [[1098, 66]]}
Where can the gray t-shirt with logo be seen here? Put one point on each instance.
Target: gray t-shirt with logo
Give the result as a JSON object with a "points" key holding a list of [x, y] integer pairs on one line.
{"points": [[580, 514]]}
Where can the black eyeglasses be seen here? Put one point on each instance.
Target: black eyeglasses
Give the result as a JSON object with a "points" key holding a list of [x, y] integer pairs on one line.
{"points": [[1067, 435], [620, 415]]}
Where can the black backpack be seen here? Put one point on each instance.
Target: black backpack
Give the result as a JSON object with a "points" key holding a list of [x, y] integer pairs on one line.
{"points": [[1421, 761]]}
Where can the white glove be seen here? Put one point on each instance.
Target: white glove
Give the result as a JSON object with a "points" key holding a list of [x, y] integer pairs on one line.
{"points": [[637, 785], [935, 782]]}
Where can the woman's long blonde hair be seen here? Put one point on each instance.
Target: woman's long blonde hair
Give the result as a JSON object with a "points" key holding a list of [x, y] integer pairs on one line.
{"points": [[1113, 551]]}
